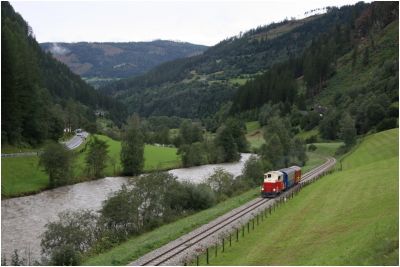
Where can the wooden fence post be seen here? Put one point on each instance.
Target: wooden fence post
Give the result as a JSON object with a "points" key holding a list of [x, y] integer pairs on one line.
{"points": [[208, 261]]}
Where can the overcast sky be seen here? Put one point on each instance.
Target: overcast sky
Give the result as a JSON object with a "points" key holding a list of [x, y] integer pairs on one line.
{"points": [[200, 22]]}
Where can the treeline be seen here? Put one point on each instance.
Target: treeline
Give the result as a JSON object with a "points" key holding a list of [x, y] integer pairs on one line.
{"points": [[37, 91], [225, 146]]}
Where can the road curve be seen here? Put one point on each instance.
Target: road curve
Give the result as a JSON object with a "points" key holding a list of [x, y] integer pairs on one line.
{"points": [[76, 141], [180, 250], [71, 144]]}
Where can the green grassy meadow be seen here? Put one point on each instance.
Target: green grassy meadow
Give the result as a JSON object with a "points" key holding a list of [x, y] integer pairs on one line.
{"points": [[251, 126], [307, 134], [254, 134], [22, 175], [350, 217]]}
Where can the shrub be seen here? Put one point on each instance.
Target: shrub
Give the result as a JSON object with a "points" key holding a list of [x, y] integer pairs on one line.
{"points": [[65, 255], [73, 234], [312, 147], [57, 161], [221, 182], [253, 171]]}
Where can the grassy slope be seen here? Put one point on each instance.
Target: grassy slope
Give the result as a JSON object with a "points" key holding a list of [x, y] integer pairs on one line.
{"points": [[346, 218], [21, 175], [137, 246], [252, 126], [254, 134]]}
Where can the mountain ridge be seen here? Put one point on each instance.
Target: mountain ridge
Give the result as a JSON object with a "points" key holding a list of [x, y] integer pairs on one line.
{"points": [[114, 60]]}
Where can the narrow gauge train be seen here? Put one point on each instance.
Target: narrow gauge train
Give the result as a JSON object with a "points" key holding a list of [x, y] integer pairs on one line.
{"points": [[275, 182]]}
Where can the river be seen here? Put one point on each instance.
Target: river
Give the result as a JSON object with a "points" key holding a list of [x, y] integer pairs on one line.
{"points": [[23, 219]]}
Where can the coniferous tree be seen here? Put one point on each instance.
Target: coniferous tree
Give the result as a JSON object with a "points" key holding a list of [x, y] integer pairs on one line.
{"points": [[366, 57], [348, 130], [97, 157], [56, 160], [273, 151], [132, 151], [225, 141]]}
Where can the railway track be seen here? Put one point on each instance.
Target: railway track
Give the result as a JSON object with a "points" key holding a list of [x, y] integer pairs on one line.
{"points": [[169, 251]]}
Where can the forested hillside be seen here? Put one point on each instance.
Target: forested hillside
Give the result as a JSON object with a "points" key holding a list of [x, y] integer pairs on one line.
{"points": [[197, 86], [40, 96], [106, 61], [349, 74]]}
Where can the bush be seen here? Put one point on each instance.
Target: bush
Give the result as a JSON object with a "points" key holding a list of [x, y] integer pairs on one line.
{"points": [[65, 255], [342, 150], [221, 182], [253, 171], [73, 233], [311, 139], [57, 162], [119, 214], [312, 147], [200, 196]]}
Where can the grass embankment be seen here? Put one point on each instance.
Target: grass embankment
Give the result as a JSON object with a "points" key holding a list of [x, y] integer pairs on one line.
{"points": [[347, 218], [140, 245], [21, 176]]}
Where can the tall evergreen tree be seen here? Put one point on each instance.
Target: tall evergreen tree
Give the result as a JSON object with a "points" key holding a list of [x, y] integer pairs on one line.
{"points": [[56, 160], [132, 151], [225, 141], [348, 130], [97, 157], [273, 152]]}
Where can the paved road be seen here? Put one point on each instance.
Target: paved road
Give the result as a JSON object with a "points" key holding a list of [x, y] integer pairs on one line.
{"points": [[71, 144], [76, 141]]}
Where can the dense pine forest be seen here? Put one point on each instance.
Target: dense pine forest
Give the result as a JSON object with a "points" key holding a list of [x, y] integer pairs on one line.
{"points": [[40, 96]]}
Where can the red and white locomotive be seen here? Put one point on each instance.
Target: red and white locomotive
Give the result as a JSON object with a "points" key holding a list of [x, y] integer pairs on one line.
{"points": [[275, 182]]}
